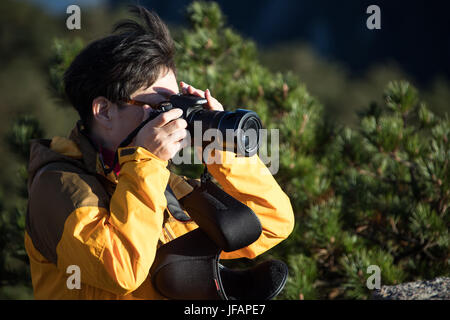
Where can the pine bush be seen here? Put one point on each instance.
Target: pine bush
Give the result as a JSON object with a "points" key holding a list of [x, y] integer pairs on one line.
{"points": [[375, 194]]}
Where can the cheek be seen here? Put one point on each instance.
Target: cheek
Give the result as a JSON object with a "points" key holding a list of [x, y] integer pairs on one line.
{"points": [[137, 116], [129, 120]]}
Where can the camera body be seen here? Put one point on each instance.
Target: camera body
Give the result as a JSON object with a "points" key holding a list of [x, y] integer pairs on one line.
{"points": [[239, 130]]}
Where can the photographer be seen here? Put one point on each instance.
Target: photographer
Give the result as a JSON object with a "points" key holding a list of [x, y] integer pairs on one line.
{"points": [[110, 223]]}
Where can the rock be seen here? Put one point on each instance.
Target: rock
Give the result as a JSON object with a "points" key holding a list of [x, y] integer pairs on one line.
{"points": [[436, 289]]}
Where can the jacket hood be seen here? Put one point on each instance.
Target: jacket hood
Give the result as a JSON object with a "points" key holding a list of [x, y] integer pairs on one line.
{"points": [[77, 150]]}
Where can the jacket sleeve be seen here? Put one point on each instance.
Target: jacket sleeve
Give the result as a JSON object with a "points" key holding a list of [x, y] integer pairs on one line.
{"points": [[115, 246], [251, 182]]}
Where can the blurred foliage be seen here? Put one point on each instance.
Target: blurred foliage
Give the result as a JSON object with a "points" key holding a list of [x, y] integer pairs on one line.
{"points": [[64, 51], [366, 169], [342, 93]]}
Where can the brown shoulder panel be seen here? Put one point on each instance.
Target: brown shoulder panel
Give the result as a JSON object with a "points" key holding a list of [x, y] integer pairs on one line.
{"points": [[57, 190]]}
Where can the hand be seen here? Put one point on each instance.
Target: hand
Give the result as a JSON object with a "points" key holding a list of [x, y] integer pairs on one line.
{"points": [[212, 104], [165, 135]]}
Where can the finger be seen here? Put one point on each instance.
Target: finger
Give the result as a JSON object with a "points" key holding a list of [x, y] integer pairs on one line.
{"points": [[187, 88], [213, 103], [165, 117], [195, 92], [184, 87], [174, 125], [210, 104], [177, 146], [184, 143], [177, 135]]}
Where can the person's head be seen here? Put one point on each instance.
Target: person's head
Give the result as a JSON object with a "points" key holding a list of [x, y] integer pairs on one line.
{"points": [[135, 62]]}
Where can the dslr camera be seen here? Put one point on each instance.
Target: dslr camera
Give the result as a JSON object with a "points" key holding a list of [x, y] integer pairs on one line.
{"points": [[243, 125]]}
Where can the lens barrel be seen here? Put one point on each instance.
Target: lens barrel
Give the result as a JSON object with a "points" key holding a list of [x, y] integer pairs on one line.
{"points": [[240, 130]]}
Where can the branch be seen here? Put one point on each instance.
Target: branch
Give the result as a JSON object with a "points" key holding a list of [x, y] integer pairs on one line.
{"points": [[414, 185]]}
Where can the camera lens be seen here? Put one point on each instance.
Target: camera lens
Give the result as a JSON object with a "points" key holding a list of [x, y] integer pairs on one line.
{"points": [[247, 132], [248, 125], [244, 125]]}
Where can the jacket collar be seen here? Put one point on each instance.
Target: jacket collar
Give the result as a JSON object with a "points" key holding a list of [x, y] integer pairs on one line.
{"points": [[87, 147], [91, 156]]}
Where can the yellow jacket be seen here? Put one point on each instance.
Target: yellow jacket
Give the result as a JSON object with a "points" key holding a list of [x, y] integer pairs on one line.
{"points": [[110, 226]]}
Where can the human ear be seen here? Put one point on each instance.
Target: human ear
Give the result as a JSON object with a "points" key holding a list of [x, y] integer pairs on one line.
{"points": [[102, 112]]}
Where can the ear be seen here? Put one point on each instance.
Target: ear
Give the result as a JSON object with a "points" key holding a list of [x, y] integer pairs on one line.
{"points": [[102, 112]]}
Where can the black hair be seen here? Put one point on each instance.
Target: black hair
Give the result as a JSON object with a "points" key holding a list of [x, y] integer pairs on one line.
{"points": [[131, 57]]}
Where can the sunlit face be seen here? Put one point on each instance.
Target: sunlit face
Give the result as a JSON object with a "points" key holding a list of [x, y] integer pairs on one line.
{"points": [[125, 120]]}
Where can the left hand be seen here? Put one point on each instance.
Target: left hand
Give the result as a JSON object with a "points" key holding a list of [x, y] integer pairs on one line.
{"points": [[212, 104]]}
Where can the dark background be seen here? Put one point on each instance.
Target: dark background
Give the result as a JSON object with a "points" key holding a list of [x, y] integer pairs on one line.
{"points": [[413, 33]]}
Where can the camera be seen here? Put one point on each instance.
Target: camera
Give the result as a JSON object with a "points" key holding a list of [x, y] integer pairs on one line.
{"points": [[239, 130]]}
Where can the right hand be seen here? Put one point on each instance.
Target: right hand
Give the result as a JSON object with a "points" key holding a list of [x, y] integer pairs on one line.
{"points": [[165, 135]]}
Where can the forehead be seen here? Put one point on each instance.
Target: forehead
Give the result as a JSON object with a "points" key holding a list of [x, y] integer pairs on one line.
{"points": [[165, 86]]}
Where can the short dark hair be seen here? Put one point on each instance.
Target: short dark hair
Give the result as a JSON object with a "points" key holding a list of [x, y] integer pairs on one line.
{"points": [[133, 56]]}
